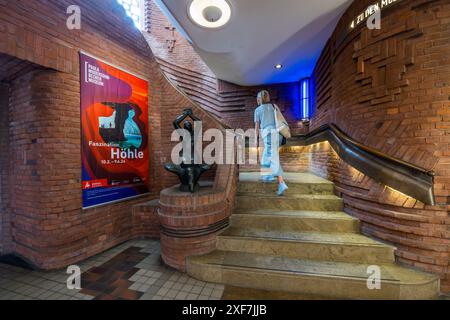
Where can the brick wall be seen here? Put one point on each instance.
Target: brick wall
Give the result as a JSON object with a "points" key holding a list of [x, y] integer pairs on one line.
{"points": [[48, 226], [168, 44], [5, 231], [372, 89], [390, 90]]}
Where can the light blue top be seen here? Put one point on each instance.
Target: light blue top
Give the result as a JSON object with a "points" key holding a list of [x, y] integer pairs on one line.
{"points": [[265, 115]]}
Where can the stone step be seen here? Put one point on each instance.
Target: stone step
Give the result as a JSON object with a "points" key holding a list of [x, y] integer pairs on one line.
{"points": [[342, 247], [237, 293], [299, 183], [291, 220], [317, 278], [302, 202]]}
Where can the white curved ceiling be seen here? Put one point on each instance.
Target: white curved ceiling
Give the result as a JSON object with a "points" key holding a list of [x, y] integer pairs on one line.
{"points": [[261, 34]]}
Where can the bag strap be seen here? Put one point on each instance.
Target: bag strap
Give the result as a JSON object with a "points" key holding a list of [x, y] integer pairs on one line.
{"points": [[275, 113], [275, 110]]}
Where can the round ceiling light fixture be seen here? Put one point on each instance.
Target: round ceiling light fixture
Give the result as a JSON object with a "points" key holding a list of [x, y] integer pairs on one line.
{"points": [[210, 14], [278, 66]]}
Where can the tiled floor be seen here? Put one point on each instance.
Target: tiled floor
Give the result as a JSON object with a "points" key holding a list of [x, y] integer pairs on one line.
{"points": [[130, 271]]}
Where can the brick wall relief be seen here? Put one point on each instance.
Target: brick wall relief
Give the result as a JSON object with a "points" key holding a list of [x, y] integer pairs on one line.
{"points": [[382, 60]]}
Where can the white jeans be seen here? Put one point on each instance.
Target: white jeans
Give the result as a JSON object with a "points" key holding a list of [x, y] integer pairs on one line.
{"points": [[270, 161]]}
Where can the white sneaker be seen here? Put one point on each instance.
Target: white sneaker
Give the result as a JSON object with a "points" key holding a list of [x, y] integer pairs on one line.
{"points": [[282, 189]]}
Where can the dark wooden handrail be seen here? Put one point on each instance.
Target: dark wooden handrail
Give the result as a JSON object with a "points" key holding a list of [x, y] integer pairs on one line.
{"points": [[392, 172]]}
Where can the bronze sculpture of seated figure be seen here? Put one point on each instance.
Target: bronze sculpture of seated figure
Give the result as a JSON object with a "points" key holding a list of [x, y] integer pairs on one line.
{"points": [[188, 172]]}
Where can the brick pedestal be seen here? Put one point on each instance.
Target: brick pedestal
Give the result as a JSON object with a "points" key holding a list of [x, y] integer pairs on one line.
{"points": [[190, 223]]}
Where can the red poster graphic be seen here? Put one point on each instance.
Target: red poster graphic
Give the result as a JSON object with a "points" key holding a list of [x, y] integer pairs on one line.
{"points": [[114, 125]]}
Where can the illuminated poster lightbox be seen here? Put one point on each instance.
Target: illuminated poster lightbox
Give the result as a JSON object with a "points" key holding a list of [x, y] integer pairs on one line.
{"points": [[114, 133]]}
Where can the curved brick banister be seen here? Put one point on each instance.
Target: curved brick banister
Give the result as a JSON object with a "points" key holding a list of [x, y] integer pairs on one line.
{"points": [[219, 122], [203, 89]]}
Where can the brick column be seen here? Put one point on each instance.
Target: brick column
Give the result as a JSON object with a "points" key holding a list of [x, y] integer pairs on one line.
{"points": [[45, 174], [45, 167]]}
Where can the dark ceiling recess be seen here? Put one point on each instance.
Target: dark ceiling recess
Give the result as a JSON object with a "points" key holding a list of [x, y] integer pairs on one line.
{"points": [[16, 261], [11, 67]]}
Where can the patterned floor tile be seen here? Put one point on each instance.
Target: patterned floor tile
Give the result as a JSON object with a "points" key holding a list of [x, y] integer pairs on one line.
{"points": [[130, 271]]}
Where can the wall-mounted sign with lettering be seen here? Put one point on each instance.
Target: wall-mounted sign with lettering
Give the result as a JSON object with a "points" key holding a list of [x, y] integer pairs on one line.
{"points": [[114, 141], [371, 10]]}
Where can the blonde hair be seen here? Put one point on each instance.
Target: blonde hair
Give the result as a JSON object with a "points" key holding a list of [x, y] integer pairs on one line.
{"points": [[263, 97]]}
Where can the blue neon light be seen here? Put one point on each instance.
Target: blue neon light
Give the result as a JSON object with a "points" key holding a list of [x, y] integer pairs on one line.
{"points": [[305, 98]]}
